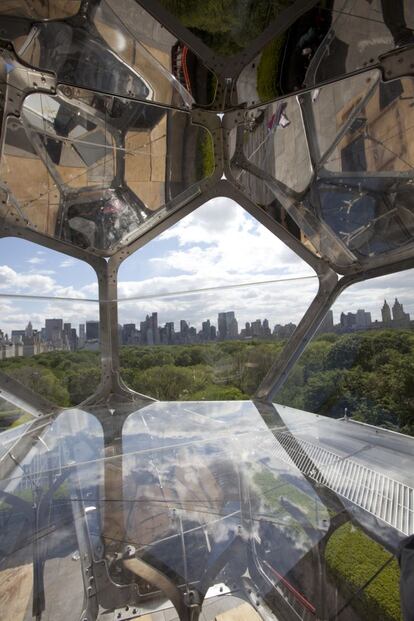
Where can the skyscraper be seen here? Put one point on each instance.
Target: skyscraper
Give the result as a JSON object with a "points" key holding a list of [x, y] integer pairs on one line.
{"points": [[400, 318], [386, 314], [54, 331], [82, 336], [227, 325], [92, 330]]}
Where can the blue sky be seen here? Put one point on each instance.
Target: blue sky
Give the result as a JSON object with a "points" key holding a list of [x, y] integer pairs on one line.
{"points": [[219, 244]]}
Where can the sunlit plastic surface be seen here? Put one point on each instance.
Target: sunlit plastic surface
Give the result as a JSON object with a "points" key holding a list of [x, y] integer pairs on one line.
{"points": [[325, 43], [191, 497], [116, 48], [228, 27], [338, 161], [38, 9], [99, 167]]}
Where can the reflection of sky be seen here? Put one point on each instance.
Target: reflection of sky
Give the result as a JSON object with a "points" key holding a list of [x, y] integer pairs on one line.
{"points": [[200, 459]]}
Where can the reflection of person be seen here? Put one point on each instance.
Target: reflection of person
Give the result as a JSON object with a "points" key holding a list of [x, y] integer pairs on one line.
{"points": [[393, 15]]}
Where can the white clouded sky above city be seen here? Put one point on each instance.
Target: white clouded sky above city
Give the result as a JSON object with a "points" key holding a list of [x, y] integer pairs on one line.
{"points": [[218, 245]]}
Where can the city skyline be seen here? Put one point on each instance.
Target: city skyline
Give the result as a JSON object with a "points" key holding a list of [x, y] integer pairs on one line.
{"points": [[58, 334], [216, 246]]}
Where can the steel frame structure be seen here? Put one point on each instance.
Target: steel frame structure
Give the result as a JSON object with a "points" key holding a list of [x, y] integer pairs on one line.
{"points": [[225, 116]]}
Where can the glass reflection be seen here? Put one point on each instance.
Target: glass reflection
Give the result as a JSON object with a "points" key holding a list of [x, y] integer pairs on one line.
{"points": [[37, 9], [190, 506], [228, 27], [338, 161], [116, 48], [99, 166], [328, 42]]}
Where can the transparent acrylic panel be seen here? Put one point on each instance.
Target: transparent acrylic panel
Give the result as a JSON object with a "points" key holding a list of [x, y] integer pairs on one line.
{"points": [[37, 9], [337, 161], [360, 366], [116, 48], [207, 492], [200, 502], [11, 417], [228, 27], [46, 501], [98, 167], [49, 348], [326, 43], [172, 72]]}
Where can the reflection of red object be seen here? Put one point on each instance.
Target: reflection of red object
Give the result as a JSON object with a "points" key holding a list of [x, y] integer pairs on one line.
{"points": [[271, 123], [276, 116], [292, 589], [179, 56]]}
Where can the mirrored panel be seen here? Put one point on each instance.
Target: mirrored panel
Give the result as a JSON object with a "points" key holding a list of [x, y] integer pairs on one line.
{"points": [[98, 168], [38, 9], [113, 47], [337, 160], [329, 41], [230, 26], [43, 502], [188, 509]]}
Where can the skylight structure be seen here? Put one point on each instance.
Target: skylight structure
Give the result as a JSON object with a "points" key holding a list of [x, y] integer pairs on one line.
{"points": [[118, 119]]}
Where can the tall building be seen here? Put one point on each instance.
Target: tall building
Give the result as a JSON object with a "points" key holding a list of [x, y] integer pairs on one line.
{"points": [[386, 314], [399, 317], [82, 335], [29, 330], [228, 327], [128, 334], [266, 329], [206, 330], [54, 332], [327, 324], [92, 330], [362, 319], [155, 329]]}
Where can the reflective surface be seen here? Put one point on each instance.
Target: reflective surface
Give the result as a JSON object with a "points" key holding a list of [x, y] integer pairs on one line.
{"points": [[328, 42], [37, 9], [170, 500], [99, 167], [230, 26], [113, 47], [338, 161]]}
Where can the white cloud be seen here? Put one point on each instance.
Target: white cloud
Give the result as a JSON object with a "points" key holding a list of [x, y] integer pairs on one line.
{"points": [[220, 239], [35, 260], [30, 283], [69, 262]]}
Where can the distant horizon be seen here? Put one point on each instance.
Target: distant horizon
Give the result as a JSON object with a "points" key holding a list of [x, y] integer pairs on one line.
{"points": [[213, 322], [218, 245]]}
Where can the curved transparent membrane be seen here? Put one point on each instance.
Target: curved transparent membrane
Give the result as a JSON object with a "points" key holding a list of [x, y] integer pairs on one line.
{"points": [[188, 502], [98, 167], [328, 42], [44, 500], [227, 28], [338, 162], [37, 9], [116, 48]]}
